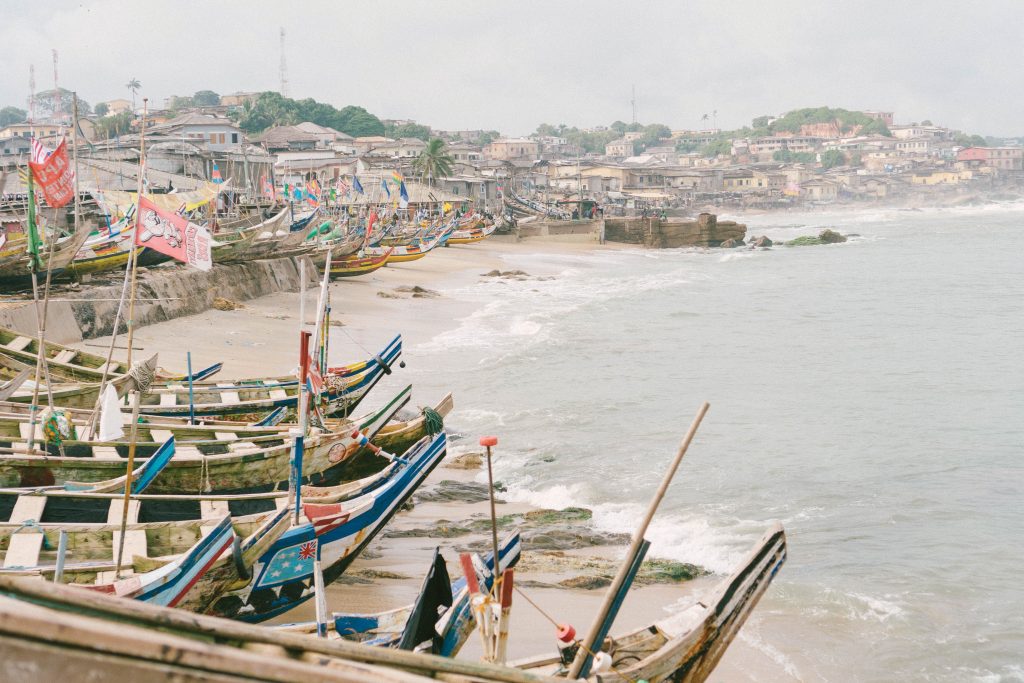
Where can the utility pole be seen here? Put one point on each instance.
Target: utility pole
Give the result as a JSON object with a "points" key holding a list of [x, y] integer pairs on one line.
{"points": [[58, 105], [283, 68], [31, 93]]}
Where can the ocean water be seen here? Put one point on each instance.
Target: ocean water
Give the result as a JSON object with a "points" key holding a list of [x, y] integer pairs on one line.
{"points": [[870, 395]]}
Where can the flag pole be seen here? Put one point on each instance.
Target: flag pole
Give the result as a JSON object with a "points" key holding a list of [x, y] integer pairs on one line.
{"points": [[134, 254]]}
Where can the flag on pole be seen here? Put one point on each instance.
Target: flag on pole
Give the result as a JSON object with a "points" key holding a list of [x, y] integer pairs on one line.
{"points": [[267, 187], [384, 184], [173, 235], [397, 177], [53, 171], [404, 194], [216, 174], [356, 185]]}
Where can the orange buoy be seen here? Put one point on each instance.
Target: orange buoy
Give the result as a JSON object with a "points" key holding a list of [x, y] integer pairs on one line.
{"points": [[488, 441]]}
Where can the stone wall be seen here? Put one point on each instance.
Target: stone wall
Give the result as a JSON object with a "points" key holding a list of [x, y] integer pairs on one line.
{"points": [[172, 292], [706, 231], [564, 231]]}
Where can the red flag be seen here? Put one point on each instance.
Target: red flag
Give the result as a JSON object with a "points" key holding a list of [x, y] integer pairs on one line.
{"points": [[173, 235], [55, 176]]}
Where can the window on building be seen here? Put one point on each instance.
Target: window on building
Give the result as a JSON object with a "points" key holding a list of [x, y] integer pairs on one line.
{"points": [[213, 138], [234, 138], [222, 138]]}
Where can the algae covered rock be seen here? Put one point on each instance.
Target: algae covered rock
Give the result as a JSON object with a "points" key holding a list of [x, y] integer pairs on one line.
{"points": [[831, 237]]}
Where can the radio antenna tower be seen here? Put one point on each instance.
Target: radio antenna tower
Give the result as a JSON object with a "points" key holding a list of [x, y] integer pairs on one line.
{"points": [[58, 103], [31, 93], [633, 102], [283, 69]]}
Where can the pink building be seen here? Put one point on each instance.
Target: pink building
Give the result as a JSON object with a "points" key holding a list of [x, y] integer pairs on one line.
{"points": [[1007, 158]]}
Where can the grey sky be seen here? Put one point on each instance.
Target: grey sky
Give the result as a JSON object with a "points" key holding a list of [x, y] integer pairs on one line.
{"points": [[512, 65]]}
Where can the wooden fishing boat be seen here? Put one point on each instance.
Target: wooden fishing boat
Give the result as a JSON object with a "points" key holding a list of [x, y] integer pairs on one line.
{"points": [[472, 236], [14, 261], [230, 462], [256, 397], [154, 566], [50, 632], [394, 628], [73, 365], [73, 395], [354, 266], [686, 646], [404, 253], [335, 534]]}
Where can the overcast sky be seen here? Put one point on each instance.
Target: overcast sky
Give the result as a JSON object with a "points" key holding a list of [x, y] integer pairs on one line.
{"points": [[512, 65]]}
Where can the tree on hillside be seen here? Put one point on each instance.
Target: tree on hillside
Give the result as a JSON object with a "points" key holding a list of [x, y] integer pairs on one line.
{"points": [[49, 102], [133, 86], [831, 158], [718, 147], [407, 130], [205, 98], [273, 109], [9, 115], [964, 140], [486, 138], [179, 102], [112, 126], [434, 161], [101, 109], [875, 127]]}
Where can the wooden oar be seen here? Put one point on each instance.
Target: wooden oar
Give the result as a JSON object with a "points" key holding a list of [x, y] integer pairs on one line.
{"points": [[581, 665]]}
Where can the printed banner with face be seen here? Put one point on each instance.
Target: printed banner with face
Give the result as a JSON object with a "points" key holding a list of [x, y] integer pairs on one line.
{"points": [[55, 176], [173, 235]]}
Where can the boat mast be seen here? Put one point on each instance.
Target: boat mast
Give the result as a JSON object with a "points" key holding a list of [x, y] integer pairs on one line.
{"points": [[133, 255]]}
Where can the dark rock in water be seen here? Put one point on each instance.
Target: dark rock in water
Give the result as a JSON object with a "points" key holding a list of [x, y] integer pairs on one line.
{"points": [[762, 242], [493, 273], [831, 237], [461, 491], [731, 244], [668, 571], [418, 292], [570, 514], [587, 583], [568, 539], [443, 529], [466, 461], [803, 241], [387, 295], [483, 523]]}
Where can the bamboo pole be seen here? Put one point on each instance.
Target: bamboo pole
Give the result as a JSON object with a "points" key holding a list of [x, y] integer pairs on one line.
{"points": [[133, 436], [589, 644], [138, 217]]}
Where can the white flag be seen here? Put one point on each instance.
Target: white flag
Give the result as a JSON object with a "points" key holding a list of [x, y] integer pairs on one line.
{"points": [[111, 419]]}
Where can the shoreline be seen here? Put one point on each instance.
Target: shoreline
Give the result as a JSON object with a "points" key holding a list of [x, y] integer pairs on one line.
{"points": [[258, 337]]}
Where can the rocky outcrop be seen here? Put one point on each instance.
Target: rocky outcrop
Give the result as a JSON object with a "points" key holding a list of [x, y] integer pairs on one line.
{"points": [[824, 237]]}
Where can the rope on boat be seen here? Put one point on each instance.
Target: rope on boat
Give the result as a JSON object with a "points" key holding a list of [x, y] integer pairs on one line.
{"points": [[142, 375], [34, 526], [432, 420]]}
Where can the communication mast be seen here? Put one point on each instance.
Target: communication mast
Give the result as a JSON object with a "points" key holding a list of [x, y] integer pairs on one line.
{"points": [[58, 104], [31, 93], [633, 102], [283, 69]]}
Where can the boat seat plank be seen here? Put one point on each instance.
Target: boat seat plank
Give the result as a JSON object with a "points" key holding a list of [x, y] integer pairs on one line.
{"points": [[281, 502], [65, 356], [168, 399], [19, 343], [213, 511], [26, 430], [134, 539], [26, 508], [278, 394], [184, 452], [108, 368], [160, 435], [226, 436], [105, 453], [23, 550], [241, 447], [229, 397]]}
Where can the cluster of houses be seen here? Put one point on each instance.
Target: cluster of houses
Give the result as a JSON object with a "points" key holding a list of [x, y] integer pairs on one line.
{"points": [[184, 149]]}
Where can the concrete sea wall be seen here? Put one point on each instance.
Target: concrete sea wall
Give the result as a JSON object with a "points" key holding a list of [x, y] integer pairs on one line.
{"points": [[163, 293], [706, 231]]}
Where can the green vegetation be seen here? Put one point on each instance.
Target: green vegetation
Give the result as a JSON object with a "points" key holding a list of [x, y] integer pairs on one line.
{"points": [[273, 109], [964, 140], [792, 121], [112, 126], [785, 156], [721, 146], [434, 161], [49, 102], [206, 98], [101, 109], [831, 158], [9, 115], [407, 130], [595, 141]]}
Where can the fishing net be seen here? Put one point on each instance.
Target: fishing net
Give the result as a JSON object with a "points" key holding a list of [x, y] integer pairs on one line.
{"points": [[57, 428], [433, 421]]}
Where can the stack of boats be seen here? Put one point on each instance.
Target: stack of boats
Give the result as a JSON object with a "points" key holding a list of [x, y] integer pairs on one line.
{"points": [[359, 244]]}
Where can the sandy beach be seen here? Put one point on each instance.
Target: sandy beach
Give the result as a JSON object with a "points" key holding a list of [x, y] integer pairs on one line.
{"points": [[259, 338]]}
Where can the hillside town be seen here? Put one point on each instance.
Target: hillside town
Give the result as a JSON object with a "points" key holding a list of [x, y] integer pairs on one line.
{"points": [[806, 157]]}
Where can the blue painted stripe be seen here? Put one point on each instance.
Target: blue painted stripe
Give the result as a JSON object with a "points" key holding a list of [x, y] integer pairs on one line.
{"points": [[154, 465]]}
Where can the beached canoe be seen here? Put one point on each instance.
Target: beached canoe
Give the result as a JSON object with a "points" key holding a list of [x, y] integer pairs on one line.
{"points": [[396, 628], [72, 395], [354, 266], [228, 463], [405, 253], [685, 646], [335, 534], [471, 236], [73, 365]]}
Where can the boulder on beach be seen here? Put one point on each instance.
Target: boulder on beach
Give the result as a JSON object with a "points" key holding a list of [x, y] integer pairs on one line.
{"points": [[466, 461], [731, 244], [222, 304], [761, 242], [587, 583], [831, 237], [826, 236]]}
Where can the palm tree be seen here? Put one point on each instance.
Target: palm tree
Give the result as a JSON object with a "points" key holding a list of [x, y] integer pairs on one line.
{"points": [[133, 86], [434, 161]]}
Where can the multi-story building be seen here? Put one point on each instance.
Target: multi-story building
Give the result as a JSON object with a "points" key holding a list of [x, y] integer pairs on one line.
{"points": [[504, 149], [1005, 158], [619, 148]]}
